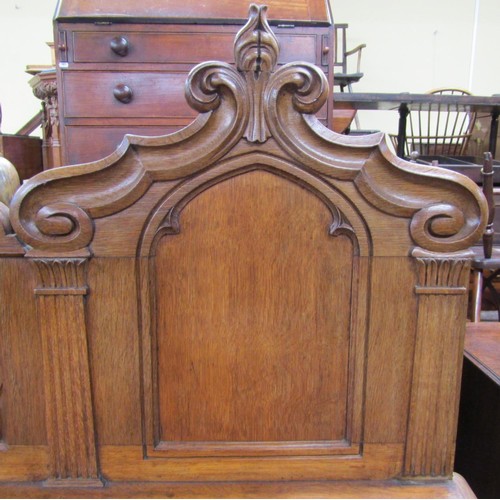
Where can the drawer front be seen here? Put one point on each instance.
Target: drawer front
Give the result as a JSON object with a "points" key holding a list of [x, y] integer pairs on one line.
{"points": [[85, 144], [103, 94], [177, 48]]}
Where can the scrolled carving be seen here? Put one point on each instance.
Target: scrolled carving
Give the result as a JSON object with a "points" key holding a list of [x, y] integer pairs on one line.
{"points": [[206, 83], [295, 92], [55, 210], [309, 84], [436, 226], [66, 224], [447, 216]]}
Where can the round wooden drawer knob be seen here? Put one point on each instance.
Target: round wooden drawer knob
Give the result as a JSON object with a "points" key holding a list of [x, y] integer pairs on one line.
{"points": [[119, 45], [123, 93]]}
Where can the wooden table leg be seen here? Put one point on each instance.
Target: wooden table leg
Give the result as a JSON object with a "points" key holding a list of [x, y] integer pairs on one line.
{"points": [[403, 114], [494, 132]]}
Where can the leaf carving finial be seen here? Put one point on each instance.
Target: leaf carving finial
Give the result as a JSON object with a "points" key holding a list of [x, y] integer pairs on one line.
{"points": [[256, 48], [256, 52]]}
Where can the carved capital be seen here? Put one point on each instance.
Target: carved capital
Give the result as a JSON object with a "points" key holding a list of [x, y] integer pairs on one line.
{"points": [[45, 90], [61, 276], [442, 276]]}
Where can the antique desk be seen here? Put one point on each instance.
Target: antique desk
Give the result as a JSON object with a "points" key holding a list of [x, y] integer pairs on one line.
{"points": [[121, 66]]}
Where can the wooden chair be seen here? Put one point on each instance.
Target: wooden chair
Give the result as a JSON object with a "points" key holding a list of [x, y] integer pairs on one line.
{"points": [[488, 263], [441, 132], [246, 307], [341, 63]]}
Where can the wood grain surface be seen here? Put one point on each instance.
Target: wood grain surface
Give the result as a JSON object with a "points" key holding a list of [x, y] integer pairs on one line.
{"points": [[482, 347], [455, 488], [305, 10], [245, 317], [251, 306]]}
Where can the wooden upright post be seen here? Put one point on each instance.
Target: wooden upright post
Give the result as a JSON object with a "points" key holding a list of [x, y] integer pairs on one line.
{"points": [[69, 415]]}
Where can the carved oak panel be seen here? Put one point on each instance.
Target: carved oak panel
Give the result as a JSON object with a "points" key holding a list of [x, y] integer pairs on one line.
{"points": [[252, 298]]}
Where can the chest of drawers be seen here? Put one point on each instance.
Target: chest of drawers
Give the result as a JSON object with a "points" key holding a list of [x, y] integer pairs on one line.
{"points": [[122, 70]]}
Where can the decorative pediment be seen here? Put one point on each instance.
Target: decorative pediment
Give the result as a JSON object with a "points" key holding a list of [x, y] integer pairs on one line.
{"points": [[256, 106]]}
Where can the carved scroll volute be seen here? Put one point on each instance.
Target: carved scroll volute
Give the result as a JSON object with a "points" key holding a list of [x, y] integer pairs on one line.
{"points": [[256, 52]]}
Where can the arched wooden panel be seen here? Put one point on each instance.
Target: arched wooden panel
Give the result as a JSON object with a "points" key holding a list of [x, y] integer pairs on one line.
{"points": [[262, 342], [274, 291]]}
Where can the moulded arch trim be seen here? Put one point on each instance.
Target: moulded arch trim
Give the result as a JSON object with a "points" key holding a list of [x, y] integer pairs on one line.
{"points": [[164, 219]]}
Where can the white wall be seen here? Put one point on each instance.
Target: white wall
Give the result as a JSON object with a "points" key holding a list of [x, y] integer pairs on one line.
{"points": [[25, 27], [419, 45], [412, 46]]}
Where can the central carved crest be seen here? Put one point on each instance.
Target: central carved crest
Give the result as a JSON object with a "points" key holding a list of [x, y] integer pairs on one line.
{"points": [[256, 52]]}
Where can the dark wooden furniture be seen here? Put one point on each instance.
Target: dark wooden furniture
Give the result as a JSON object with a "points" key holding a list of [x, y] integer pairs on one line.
{"points": [[22, 150], [404, 102], [478, 440], [121, 66], [44, 85], [445, 131], [242, 308], [486, 266]]}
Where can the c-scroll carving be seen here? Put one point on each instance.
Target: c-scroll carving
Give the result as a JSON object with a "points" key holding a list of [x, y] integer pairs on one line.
{"points": [[446, 209], [55, 210], [446, 212]]}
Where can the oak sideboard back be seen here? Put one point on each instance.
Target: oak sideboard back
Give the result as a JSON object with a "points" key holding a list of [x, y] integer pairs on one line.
{"points": [[251, 301]]}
